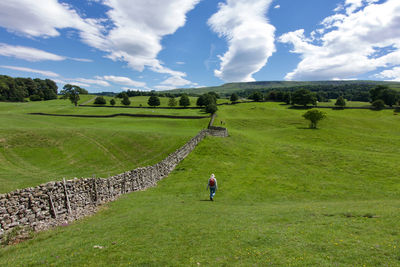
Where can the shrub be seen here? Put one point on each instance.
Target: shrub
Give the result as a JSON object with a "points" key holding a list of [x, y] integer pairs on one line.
{"points": [[112, 102], [314, 116], [100, 101], [35, 98], [378, 104]]}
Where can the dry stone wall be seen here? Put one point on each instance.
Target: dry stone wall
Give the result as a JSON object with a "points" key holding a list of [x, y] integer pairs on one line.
{"points": [[55, 203]]}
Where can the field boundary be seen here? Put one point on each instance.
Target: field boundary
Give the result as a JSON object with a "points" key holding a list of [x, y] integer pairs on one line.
{"points": [[120, 114], [58, 203]]}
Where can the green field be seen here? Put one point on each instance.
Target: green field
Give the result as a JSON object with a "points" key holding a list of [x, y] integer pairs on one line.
{"points": [[288, 196], [37, 149]]}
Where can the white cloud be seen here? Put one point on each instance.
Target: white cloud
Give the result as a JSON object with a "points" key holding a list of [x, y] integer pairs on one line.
{"points": [[277, 6], [250, 38], [27, 53], [367, 37], [122, 80], [23, 69], [132, 32], [44, 18], [32, 54], [390, 75], [180, 63], [92, 81], [176, 81]]}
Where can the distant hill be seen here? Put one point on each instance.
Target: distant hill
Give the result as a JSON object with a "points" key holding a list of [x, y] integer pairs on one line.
{"points": [[229, 88]]}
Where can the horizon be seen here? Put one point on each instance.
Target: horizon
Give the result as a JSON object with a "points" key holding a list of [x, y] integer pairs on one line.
{"points": [[112, 46]]}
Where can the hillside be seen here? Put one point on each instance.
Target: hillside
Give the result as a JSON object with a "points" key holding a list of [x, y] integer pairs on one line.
{"points": [[288, 196], [229, 88]]}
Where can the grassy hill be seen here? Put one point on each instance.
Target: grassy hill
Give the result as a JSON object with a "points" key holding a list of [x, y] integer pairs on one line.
{"points": [[37, 149], [288, 196], [229, 88]]}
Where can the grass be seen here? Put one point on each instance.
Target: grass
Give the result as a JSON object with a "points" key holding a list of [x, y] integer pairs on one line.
{"points": [[37, 149], [288, 196]]}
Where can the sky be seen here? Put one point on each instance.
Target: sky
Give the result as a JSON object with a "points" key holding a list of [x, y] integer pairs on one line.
{"points": [[116, 45]]}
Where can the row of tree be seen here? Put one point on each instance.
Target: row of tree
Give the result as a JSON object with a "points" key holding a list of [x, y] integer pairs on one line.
{"points": [[17, 89], [208, 101], [378, 96], [324, 92]]}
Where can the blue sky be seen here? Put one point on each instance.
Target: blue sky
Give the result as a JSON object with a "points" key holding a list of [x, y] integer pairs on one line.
{"points": [[114, 45]]}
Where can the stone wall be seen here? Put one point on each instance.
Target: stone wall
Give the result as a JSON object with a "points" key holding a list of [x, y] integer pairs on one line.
{"points": [[56, 203]]}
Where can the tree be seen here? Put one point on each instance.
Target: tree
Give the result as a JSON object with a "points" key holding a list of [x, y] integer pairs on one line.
{"points": [[100, 101], [303, 97], [72, 93], [153, 101], [125, 99], [211, 108], [112, 102], [390, 97], [256, 96], [340, 102], [376, 93], [234, 98], [287, 98], [35, 98], [314, 116], [378, 104], [184, 101], [172, 102], [200, 101]]}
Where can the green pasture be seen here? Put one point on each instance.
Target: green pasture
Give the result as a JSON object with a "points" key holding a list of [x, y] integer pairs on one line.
{"points": [[288, 196], [36, 149]]}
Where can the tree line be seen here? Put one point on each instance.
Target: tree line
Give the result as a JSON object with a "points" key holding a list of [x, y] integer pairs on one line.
{"points": [[17, 89], [379, 96], [323, 92]]}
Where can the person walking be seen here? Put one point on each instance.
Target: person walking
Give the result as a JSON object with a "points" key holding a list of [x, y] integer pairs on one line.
{"points": [[212, 184]]}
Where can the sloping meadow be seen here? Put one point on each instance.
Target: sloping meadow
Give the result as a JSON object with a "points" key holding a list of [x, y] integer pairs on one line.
{"points": [[287, 195]]}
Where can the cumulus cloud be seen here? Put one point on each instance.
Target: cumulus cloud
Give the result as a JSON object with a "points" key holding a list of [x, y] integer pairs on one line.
{"points": [[23, 69], [250, 38], [46, 17], [363, 38], [32, 54], [132, 31], [390, 75]]}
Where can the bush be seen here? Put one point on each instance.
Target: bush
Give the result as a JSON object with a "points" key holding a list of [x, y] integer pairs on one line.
{"points": [[35, 98], [378, 104], [314, 116], [112, 102], [100, 101]]}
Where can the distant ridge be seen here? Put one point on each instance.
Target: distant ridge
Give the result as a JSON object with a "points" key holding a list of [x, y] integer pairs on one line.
{"points": [[229, 88]]}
